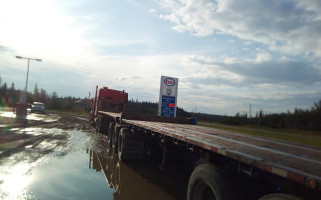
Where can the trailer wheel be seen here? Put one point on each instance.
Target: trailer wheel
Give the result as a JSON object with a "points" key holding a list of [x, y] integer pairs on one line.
{"points": [[97, 124], [122, 144], [115, 139], [130, 146], [103, 125], [93, 124], [110, 134], [279, 196], [206, 183]]}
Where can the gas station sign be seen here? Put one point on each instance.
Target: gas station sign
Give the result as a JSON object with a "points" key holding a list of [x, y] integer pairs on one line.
{"points": [[168, 96]]}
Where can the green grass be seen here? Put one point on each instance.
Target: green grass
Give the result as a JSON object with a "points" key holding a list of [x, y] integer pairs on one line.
{"points": [[309, 138]]}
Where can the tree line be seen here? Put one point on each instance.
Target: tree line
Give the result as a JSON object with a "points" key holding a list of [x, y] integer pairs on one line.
{"points": [[308, 119], [9, 96]]}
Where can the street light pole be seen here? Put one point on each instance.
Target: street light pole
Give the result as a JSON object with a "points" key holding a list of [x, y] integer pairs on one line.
{"points": [[27, 75], [36, 59]]}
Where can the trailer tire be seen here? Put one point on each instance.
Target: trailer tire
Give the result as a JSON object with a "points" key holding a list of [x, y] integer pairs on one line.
{"points": [[115, 139], [279, 196], [110, 134], [103, 125], [206, 182], [97, 124], [130, 146], [93, 124], [122, 144]]}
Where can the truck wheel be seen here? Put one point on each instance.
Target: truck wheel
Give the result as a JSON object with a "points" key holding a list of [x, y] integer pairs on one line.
{"points": [[122, 144], [93, 124], [110, 134], [103, 125], [115, 139], [279, 196], [130, 146], [97, 123], [206, 183]]}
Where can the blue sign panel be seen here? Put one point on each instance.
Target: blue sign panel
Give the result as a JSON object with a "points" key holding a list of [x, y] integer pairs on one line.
{"points": [[168, 106]]}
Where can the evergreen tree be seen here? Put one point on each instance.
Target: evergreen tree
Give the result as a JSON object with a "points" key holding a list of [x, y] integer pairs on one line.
{"points": [[12, 87], [42, 96], [3, 90], [36, 93]]}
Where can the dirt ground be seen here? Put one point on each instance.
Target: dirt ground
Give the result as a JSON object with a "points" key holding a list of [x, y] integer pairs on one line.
{"points": [[16, 135]]}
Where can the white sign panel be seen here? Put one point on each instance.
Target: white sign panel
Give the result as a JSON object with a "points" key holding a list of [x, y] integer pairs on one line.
{"points": [[168, 96]]}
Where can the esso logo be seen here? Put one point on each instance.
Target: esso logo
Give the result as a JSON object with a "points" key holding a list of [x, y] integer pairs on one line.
{"points": [[169, 82]]}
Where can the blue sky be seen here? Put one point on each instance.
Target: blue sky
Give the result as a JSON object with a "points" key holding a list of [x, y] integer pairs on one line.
{"points": [[227, 54]]}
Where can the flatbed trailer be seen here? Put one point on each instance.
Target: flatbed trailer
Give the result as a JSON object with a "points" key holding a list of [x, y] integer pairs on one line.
{"points": [[294, 170]]}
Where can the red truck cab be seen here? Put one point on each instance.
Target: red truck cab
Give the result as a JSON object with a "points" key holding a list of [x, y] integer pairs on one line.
{"points": [[108, 100]]}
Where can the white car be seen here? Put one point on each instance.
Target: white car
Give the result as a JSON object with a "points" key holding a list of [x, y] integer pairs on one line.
{"points": [[38, 107]]}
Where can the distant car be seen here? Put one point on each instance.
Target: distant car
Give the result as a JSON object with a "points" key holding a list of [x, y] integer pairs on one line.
{"points": [[38, 107]]}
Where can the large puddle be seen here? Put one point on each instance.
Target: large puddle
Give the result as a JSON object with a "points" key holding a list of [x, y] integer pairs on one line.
{"points": [[78, 166], [33, 116], [52, 169], [67, 177]]}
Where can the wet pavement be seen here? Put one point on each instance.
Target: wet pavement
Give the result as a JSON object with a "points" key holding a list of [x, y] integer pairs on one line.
{"points": [[62, 157]]}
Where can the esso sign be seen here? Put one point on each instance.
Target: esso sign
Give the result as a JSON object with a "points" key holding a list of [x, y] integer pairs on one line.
{"points": [[169, 82], [168, 96]]}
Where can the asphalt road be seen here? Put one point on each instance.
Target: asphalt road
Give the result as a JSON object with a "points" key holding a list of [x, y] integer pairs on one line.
{"points": [[62, 157]]}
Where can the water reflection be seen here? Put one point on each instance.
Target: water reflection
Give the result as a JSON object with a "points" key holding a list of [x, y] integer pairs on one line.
{"points": [[30, 116], [127, 181], [14, 181]]}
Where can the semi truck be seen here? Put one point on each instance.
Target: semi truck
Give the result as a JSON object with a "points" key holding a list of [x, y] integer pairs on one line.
{"points": [[228, 165]]}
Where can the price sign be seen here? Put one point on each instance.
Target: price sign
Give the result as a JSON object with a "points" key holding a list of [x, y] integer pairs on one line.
{"points": [[168, 96]]}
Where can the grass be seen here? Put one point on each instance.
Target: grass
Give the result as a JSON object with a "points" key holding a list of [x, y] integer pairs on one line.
{"points": [[308, 138]]}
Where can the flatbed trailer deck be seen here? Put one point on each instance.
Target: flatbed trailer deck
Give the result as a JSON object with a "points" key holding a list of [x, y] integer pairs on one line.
{"points": [[298, 163]]}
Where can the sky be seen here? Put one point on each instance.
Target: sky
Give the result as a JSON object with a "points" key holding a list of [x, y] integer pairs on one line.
{"points": [[227, 54]]}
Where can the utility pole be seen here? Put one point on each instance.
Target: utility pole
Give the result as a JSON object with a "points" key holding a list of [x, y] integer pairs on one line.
{"points": [[88, 103], [21, 109], [250, 116], [23, 99]]}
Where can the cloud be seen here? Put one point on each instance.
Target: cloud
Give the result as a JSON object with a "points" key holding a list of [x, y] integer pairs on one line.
{"points": [[221, 99], [291, 27], [152, 10], [259, 71], [227, 85], [39, 29]]}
